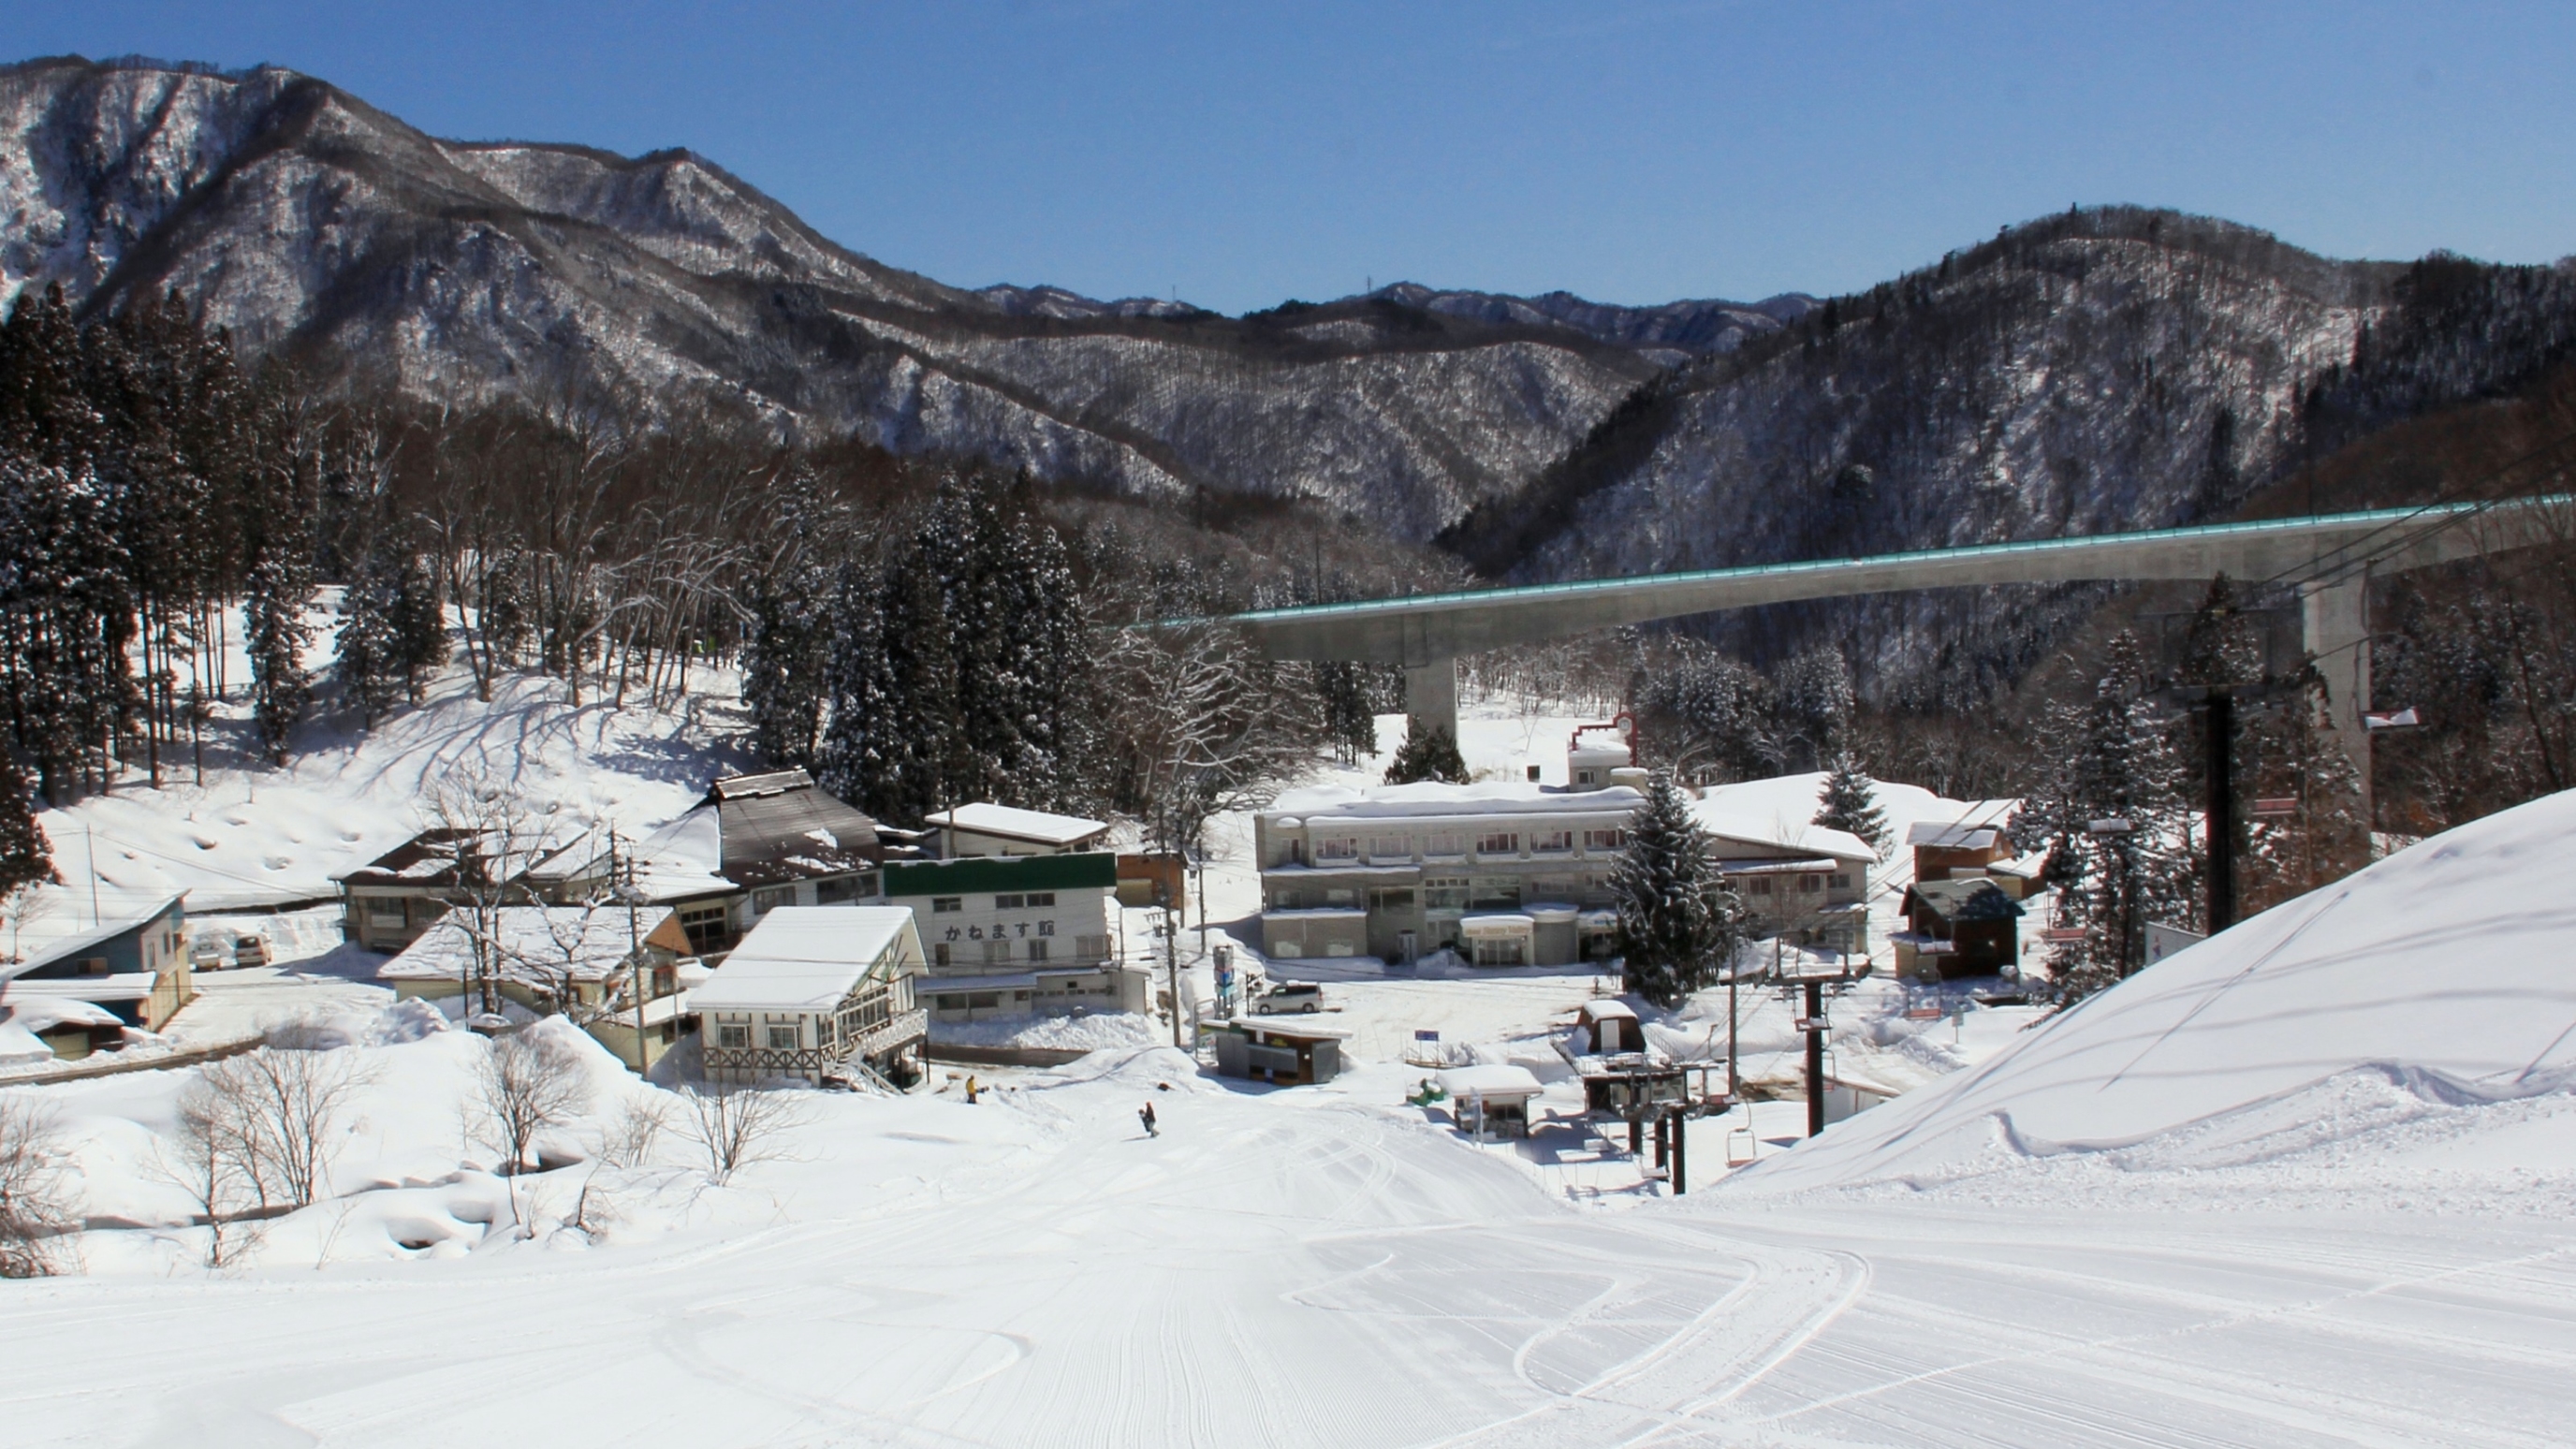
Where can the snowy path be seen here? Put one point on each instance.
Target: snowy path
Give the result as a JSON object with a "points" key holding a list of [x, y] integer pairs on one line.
{"points": [[1293, 1269]]}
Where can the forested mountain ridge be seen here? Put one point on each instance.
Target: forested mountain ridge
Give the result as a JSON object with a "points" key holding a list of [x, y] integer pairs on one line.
{"points": [[314, 226], [2096, 371]]}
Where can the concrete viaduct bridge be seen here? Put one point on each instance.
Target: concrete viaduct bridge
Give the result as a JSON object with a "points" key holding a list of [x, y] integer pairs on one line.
{"points": [[2329, 558]]}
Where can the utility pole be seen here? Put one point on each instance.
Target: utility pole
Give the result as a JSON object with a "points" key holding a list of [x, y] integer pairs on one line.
{"points": [[624, 874], [1814, 1027], [2221, 810]]}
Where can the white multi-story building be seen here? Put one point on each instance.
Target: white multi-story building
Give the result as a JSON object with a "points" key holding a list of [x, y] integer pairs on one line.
{"points": [[1505, 874], [1511, 874], [1016, 935]]}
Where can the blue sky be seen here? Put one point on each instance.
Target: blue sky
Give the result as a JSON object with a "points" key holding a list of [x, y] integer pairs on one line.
{"points": [[1241, 154]]}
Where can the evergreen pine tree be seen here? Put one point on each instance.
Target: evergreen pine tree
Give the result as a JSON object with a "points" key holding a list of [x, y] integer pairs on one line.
{"points": [[370, 648], [1849, 802], [2111, 760], [1429, 752], [1678, 921], [856, 761], [419, 622], [920, 747], [1350, 715], [24, 855], [276, 637], [783, 668]]}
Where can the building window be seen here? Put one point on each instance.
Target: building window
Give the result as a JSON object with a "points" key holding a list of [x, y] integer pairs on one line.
{"points": [[1501, 951], [782, 1038], [1445, 893], [1344, 848], [708, 927], [1037, 950], [1499, 842], [1810, 884], [1842, 882], [939, 953], [1605, 839], [1494, 894], [733, 1036], [833, 892], [1007, 903], [983, 1000], [1445, 845], [1762, 885], [1552, 840], [1390, 845], [1391, 900], [996, 951], [770, 898], [388, 909], [947, 905], [1038, 899]]}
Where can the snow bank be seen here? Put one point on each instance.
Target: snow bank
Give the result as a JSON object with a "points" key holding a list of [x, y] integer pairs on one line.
{"points": [[1099, 1031], [2441, 971]]}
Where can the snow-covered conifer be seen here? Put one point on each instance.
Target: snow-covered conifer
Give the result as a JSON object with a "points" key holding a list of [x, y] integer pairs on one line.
{"points": [[1429, 752], [1677, 917], [1849, 802]]}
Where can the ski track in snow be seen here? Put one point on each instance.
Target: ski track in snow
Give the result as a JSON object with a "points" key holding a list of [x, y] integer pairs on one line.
{"points": [[1279, 1269]]}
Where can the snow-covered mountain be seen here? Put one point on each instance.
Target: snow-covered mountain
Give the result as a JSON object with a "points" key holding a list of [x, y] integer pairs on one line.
{"points": [[315, 225], [2108, 369]]}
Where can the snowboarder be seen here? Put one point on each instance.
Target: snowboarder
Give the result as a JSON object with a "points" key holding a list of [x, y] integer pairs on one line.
{"points": [[1147, 1117]]}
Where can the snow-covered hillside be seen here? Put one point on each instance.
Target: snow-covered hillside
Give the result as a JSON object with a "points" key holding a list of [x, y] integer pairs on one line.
{"points": [[2437, 978]]}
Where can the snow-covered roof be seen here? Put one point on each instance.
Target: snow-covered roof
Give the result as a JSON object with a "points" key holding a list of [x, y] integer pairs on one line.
{"points": [[1324, 805], [529, 942], [1491, 1079], [115, 986], [1777, 833], [1954, 835], [807, 958], [74, 947], [20, 1047], [1608, 1011], [1038, 826], [44, 1013]]}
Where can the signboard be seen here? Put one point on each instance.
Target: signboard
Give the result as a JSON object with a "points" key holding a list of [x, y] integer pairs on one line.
{"points": [[1426, 1036], [2163, 941], [1811, 1023], [2281, 805]]}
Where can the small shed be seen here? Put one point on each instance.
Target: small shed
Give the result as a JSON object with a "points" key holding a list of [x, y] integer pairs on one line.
{"points": [[67, 1027], [1610, 1027], [1280, 1053], [1958, 928], [1493, 1097]]}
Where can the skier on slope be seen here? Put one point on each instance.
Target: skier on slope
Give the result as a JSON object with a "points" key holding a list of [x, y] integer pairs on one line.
{"points": [[1146, 1116]]}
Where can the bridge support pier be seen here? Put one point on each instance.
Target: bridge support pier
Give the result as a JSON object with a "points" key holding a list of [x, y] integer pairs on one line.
{"points": [[2334, 622], [1431, 693]]}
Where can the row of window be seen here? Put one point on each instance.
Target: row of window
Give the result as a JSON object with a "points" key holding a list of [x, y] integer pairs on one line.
{"points": [[1448, 893], [1030, 900], [1808, 885], [1492, 842]]}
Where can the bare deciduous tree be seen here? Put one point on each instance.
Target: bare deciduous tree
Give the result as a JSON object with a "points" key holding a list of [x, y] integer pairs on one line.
{"points": [[35, 1195], [490, 835], [528, 1083], [737, 1126], [633, 1131]]}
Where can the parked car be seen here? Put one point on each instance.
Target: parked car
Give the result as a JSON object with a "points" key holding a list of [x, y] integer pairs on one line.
{"points": [[206, 954], [1289, 997], [250, 951]]}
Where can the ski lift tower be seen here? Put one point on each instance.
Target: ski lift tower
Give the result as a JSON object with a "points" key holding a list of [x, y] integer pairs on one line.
{"points": [[1806, 986]]}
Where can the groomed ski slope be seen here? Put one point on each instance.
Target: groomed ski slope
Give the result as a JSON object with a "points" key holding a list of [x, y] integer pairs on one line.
{"points": [[2340, 1214]]}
